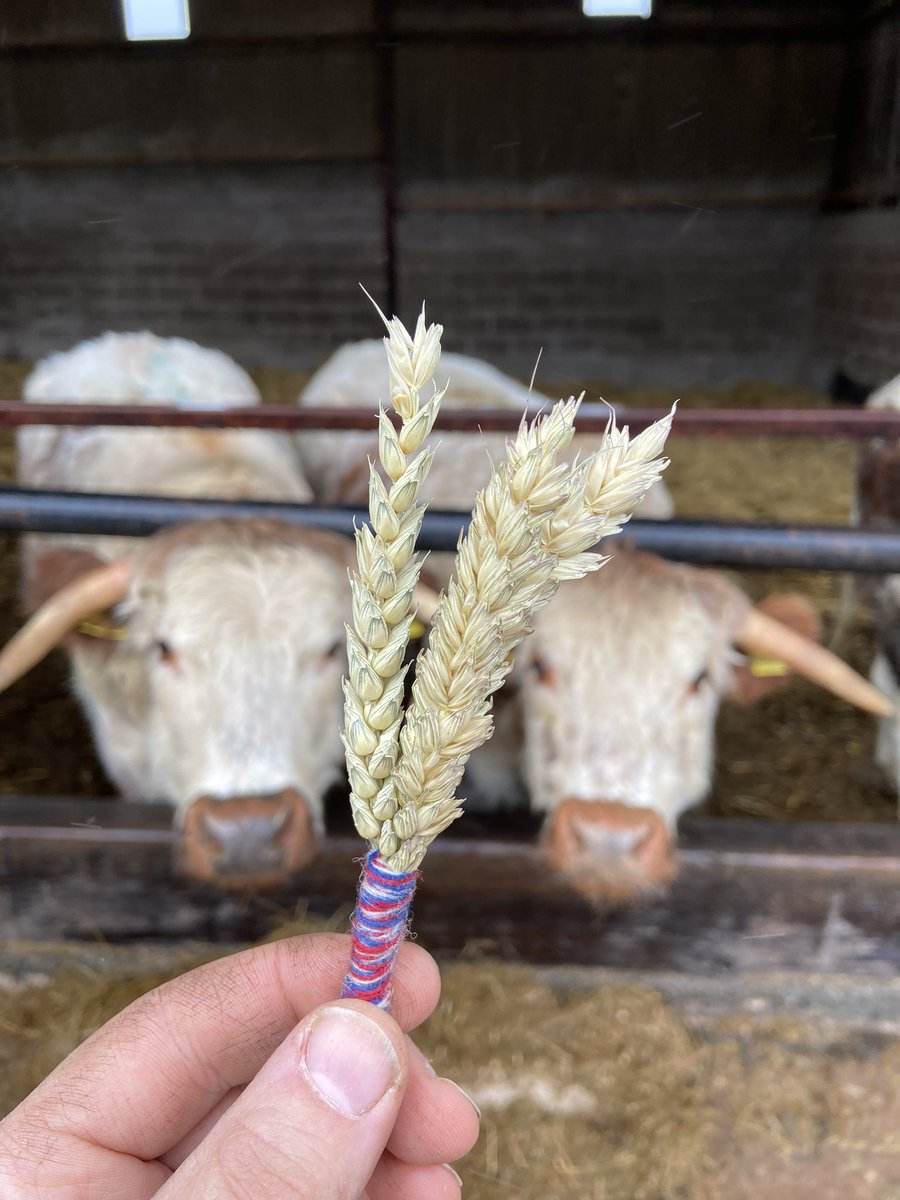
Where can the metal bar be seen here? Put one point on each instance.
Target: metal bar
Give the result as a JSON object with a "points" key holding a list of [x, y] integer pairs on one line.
{"points": [[743, 545], [592, 418]]}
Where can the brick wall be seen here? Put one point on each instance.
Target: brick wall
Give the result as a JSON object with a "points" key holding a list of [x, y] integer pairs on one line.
{"points": [[858, 295], [262, 262], [672, 297]]}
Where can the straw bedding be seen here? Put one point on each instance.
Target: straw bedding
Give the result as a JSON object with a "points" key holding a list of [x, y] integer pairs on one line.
{"points": [[600, 1094]]}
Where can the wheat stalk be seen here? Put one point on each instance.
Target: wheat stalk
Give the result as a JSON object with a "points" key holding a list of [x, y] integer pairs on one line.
{"points": [[531, 528], [384, 586]]}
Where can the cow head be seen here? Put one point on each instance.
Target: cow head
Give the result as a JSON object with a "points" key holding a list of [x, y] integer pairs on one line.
{"points": [[212, 680], [620, 685]]}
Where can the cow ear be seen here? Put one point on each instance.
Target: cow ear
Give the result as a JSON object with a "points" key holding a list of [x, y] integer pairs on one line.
{"points": [[757, 677], [55, 570]]}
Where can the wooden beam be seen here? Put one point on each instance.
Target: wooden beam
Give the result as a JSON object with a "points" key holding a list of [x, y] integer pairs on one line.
{"points": [[752, 897]]}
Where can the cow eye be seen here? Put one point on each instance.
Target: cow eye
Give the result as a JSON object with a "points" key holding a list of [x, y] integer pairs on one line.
{"points": [[333, 650], [698, 681], [164, 651], [541, 670]]}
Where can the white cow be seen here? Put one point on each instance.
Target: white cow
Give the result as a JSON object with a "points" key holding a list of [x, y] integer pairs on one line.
{"points": [[878, 505], [208, 657], [356, 375], [611, 707]]}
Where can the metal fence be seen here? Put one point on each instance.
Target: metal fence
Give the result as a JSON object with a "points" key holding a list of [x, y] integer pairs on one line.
{"points": [[731, 544]]}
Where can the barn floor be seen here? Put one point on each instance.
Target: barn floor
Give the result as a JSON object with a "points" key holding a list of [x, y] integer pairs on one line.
{"points": [[594, 1093]]}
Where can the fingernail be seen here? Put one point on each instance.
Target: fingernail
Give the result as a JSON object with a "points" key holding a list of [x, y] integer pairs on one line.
{"points": [[466, 1094], [349, 1061], [447, 1167]]}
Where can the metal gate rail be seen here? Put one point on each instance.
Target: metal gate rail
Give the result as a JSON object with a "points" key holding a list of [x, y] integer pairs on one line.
{"points": [[858, 425], [741, 545]]}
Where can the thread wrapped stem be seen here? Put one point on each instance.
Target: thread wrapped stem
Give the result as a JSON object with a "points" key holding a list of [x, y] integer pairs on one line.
{"points": [[378, 929]]}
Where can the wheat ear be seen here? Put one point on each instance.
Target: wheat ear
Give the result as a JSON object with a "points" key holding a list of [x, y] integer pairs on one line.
{"points": [[531, 528], [384, 586]]}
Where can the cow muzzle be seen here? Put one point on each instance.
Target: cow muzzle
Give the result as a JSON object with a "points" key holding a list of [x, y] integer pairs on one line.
{"points": [[247, 842], [609, 852]]}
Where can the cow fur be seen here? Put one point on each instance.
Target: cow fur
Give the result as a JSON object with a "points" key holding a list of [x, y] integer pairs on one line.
{"points": [[139, 368], [620, 684], [228, 682], [356, 375]]}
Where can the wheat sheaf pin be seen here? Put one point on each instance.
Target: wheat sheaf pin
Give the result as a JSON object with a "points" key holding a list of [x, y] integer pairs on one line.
{"points": [[532, 527]]}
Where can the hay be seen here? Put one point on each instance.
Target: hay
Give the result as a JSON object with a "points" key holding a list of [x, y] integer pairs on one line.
{"points": [[590, 1095]]}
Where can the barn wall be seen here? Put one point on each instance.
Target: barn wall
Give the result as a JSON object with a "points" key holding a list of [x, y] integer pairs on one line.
{"points": [[225, 188], [639, 198], [262, 262], [675, 297], [858, 296]]}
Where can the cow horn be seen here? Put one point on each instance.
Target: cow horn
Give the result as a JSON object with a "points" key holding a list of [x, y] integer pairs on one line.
{"points": [[94, 591], [762, 635]]}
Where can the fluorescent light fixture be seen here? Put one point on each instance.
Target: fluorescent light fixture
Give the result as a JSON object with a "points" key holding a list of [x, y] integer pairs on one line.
{"points": [[156, 20], [616, 8]]}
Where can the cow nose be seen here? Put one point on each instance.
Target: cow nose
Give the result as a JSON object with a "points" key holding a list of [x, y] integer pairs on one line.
{"points": [[247, 842], [609, 851]]}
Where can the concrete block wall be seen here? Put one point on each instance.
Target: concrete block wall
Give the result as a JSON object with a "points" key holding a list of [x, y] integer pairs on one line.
{"points": [[858, 294], [262, 262], [674, 298]]}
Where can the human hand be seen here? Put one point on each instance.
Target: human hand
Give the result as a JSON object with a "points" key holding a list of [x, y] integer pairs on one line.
{"points": [[208, 1088]]}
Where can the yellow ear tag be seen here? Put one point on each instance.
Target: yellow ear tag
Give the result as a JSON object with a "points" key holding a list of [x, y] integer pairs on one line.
{"points": [[416, 630], [97, 628], [768, 668]]}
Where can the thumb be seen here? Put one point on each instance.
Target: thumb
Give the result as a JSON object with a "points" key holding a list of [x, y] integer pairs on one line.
{"points": [[313, 1123]]}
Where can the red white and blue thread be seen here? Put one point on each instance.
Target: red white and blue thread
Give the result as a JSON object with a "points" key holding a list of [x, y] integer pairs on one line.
{"points": [[378, 928]]}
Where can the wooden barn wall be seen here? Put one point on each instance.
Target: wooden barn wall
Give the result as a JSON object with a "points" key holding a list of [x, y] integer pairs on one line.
{"points": [[639, 198]]}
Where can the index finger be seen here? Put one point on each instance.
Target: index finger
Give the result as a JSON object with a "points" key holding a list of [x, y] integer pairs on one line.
{"points": [[144, 1080]]}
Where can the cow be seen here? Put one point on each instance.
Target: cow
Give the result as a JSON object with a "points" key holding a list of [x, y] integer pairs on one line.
{"points": [[356, 376], [208, 657], [608, 718], [620, 685], [877, 505]]}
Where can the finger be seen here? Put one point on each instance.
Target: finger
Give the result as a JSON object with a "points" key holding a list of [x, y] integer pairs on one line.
{"points": [[438, 1122], [36, 1161], [175, 1157], [314, 1122], [394, 1180], [148, 1077]]}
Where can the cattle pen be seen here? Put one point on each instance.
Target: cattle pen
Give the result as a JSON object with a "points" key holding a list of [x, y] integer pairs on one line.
{"points": [[667, 921], [62, 876]]}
